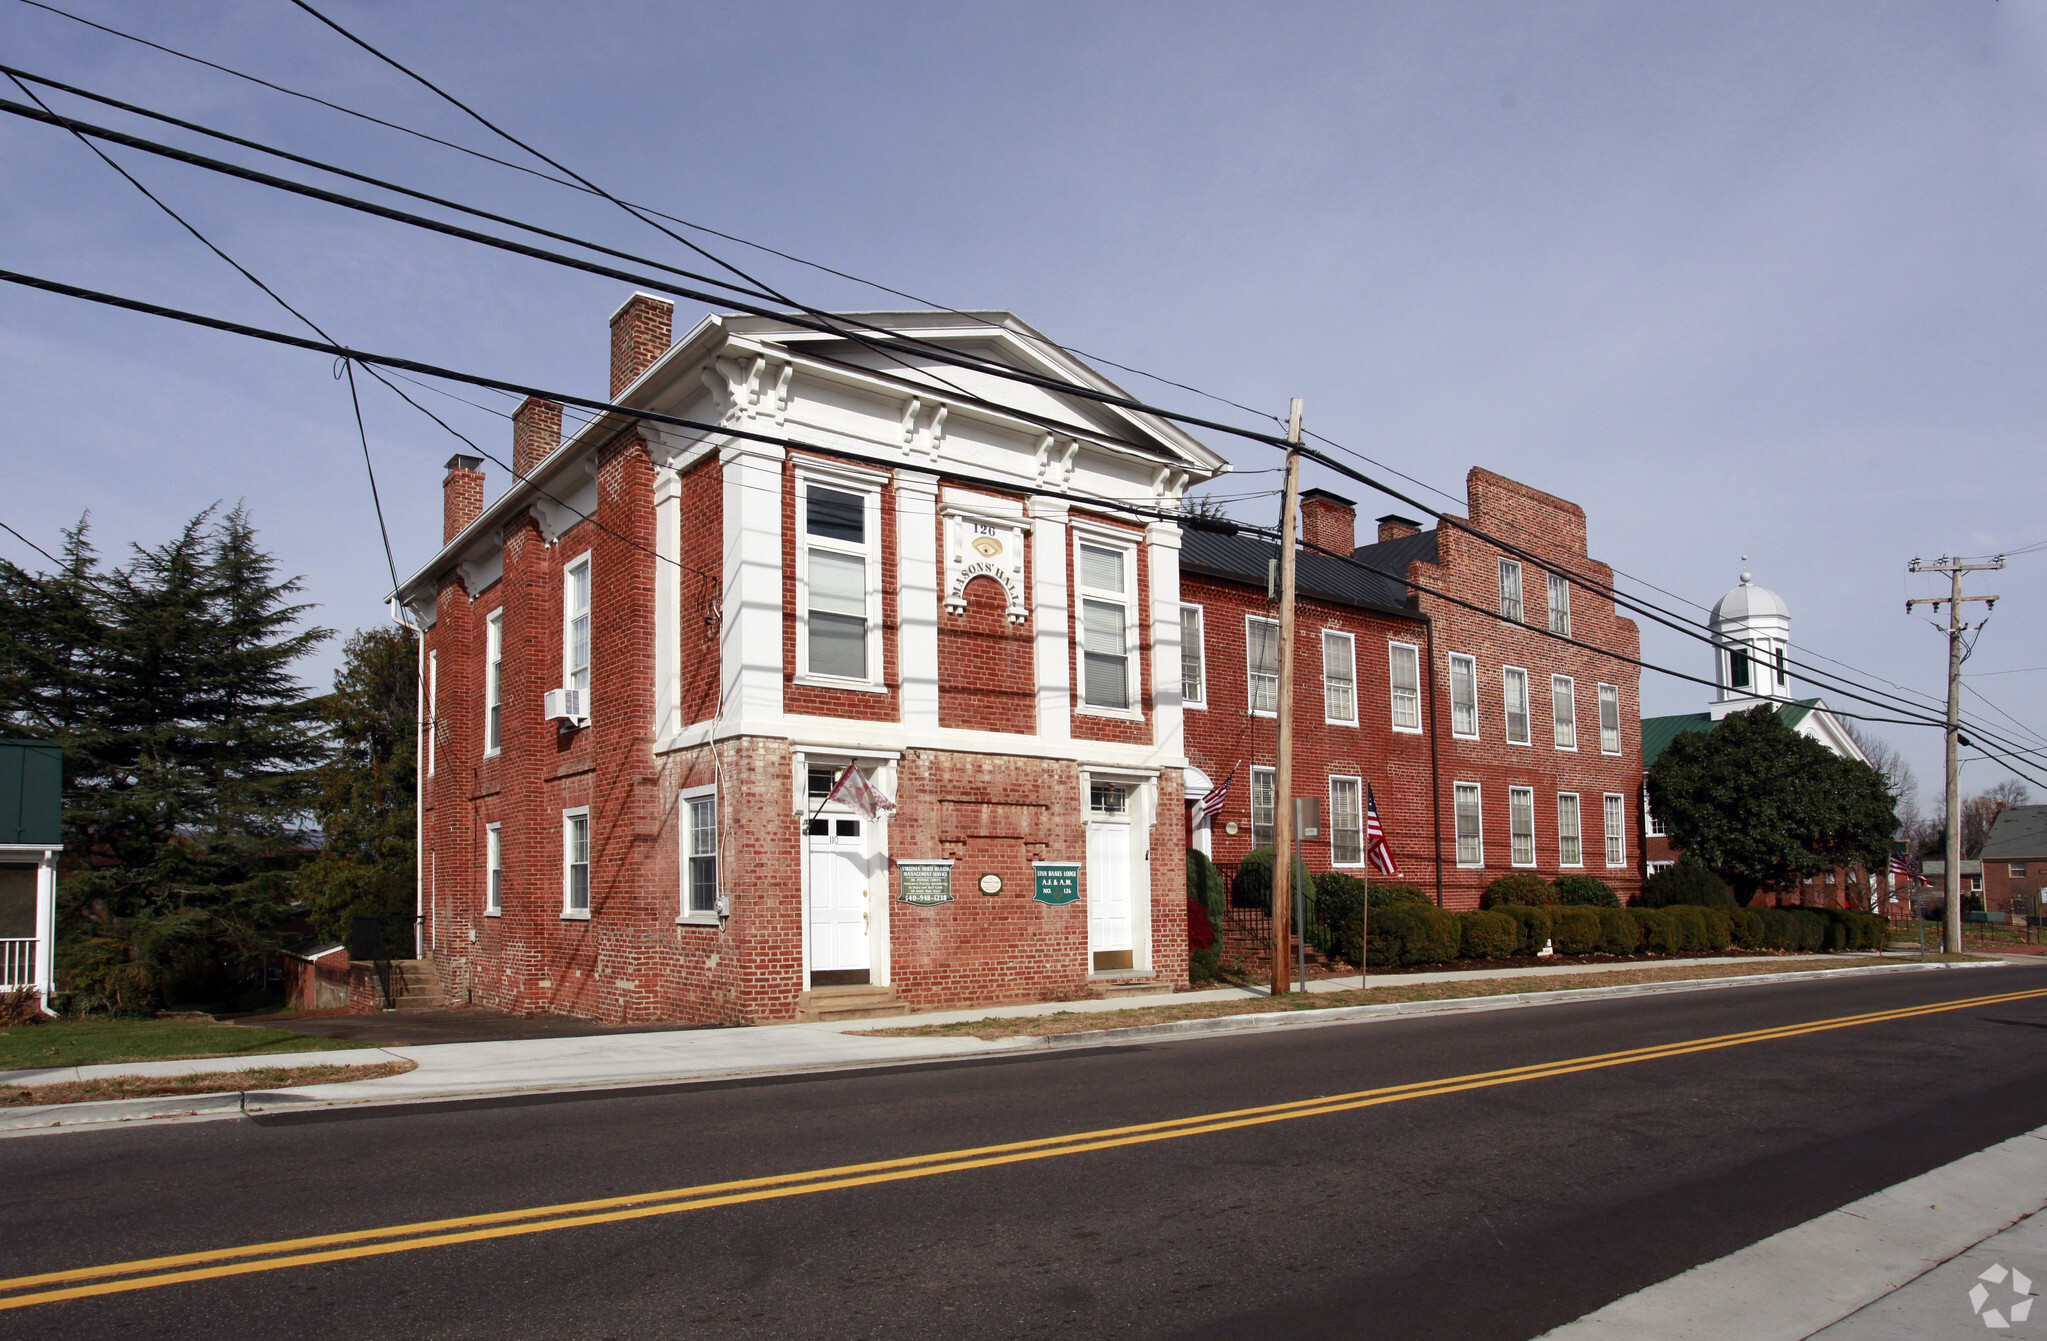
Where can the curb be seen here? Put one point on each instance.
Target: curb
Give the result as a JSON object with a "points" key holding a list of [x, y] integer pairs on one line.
{"points": [[54, 1117]]}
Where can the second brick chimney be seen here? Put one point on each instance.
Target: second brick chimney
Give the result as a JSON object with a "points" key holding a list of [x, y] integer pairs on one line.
{"points": [[1392, 526], [461, 495], [1328, 521], [536, 431], [641, 331]]}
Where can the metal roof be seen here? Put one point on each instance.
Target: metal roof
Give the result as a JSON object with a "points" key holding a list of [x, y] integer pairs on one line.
{"points": [[2017, 834], [1658, 732], [1322, 577]]}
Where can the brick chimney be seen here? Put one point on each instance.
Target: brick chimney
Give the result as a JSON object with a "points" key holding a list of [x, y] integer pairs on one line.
{"points": [[641, 331], [461, 495], [536, 431], [1328, 521], [1392, 526]]}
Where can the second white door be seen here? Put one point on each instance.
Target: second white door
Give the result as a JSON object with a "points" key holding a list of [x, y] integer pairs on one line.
{"points": [[839, 907]]}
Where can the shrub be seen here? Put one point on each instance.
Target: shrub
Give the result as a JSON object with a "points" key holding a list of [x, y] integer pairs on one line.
{"points": [[1206, 887], [1577, 931], [1523, 889], [1487, 935], [1689, 922], [1585, 892], [1393, 891], [1747, 927], [1619, 933], [1719, 929], [1204, 965], [1339, 899], [1535, 926], [1688, 882], [21, 1007], [1254, 880], [1411, 934], [1661, 934]]}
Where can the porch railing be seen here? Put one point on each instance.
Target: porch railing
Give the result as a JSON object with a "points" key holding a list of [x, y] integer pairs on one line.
{"points": [[17, 963]]}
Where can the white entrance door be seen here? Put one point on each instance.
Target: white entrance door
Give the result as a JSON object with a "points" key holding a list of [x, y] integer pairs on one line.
{"points": [[838, 895], [1110, 945]]}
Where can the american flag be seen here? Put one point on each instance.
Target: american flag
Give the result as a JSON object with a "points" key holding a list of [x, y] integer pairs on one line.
{"points": [[1213, 802], [1375, 838]]}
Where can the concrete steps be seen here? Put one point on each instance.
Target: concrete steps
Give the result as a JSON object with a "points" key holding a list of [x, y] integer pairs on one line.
{"points": [[1134, 987], [416, 985], [824, 1004]]}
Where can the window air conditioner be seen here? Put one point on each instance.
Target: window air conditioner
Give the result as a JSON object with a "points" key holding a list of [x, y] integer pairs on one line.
{"points": [[565, 705]]}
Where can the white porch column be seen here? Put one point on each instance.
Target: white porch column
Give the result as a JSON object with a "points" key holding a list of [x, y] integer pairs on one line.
{"points": [[917, 597], [667, 604], [750, 632], [1049, 616], [46, 927], [1162, 551]]}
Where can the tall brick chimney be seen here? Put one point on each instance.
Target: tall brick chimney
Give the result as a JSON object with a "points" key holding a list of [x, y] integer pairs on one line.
{"points": [[641, 331], [1392, 526], [461, 495], [536, 431], [1328, 521]]}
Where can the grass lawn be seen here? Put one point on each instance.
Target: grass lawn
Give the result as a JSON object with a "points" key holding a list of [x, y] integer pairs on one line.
{"points": [[1074, 1021], [211, 1082], [87, 1042]]}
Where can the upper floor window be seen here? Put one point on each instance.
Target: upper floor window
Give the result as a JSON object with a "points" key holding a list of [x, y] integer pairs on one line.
{"points": [[1559, 605], [1346, 823], [1264, 782], [1521, 825], [1650, 824], [2016, 870], [1470, 836], [1510, 590], [1463, 696], [1404, 664], [838, 554], [1515, 681], [1609, 719], [1780, 667], [493, 681], [1261, 662], [1339, 678], [576, 629], [700, 855], [1193, 662], [1737, 667], [1105, 627], [1563, 697]]}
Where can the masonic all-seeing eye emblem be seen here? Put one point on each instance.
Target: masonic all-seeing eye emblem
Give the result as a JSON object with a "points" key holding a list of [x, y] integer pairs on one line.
{"points": [[987, 546]]}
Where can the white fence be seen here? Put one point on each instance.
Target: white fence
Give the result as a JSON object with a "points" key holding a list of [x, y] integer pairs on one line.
{"points": [[17, 963]]}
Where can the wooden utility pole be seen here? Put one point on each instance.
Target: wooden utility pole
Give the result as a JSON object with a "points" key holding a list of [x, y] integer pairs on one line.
{"points": [[1951, 923], [1283, 779]]}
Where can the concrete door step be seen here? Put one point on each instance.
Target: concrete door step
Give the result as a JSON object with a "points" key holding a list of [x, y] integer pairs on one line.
{"points": [[824, 1004], [1145, 987]]}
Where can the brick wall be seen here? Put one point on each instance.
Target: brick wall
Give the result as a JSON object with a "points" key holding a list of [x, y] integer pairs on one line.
{"points": [[985, 676]]}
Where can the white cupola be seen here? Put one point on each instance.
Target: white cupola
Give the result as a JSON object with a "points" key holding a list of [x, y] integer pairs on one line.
{"points": [[1751, 628]]}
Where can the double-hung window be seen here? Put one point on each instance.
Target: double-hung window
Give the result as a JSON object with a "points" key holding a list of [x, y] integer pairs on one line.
{"points": [[1570, 835], [1193, 663], [1264, 783], [576, 630], [2016, 870], [1510, 590], [1463, 696], [700, 855], [837, 571], [1339, 678], [1261, 663], [1106, 582], [1616, 829], [1405, 666], [1609, 719], [493, 870], [1521, 824], [1470, 833], [1346, 822], [1650, 824], [1563, 697], [433, 707], [1515, 682], [1559, 605], [493, 681], [576, 862]]}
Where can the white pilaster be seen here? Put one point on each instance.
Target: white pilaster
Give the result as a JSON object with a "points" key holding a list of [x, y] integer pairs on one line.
{"points": [[46, 927], [1162, 556], [750, 632], [917, 597], [1049, 616], [667, 603]]}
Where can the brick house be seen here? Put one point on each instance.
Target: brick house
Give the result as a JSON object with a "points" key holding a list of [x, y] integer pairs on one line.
{"points": [[2015, 862], [644, 663]]}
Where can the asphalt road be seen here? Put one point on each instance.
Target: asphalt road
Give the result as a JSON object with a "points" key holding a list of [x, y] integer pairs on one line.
{"points": [[1497, 1211]]}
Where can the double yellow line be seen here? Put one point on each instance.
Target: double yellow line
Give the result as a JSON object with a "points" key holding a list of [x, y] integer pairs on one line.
{"points": [[152, 1272]]}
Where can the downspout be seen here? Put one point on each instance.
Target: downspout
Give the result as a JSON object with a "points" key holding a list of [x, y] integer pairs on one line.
{"points": [[418, 778], [1435, 756]]}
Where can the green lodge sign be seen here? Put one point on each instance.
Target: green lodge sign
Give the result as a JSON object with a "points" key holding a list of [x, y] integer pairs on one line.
{"points": [[926, 882], [1058, 881]]}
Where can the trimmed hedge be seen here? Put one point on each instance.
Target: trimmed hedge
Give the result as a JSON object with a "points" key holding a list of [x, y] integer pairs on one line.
{"points": [[1409, 933], [1690, 883], [1535, 925], [1254, 881], [1619, 934], [1523, 889], [1576, 931], [1586, 892], [1487, 935], [1387, 893]]}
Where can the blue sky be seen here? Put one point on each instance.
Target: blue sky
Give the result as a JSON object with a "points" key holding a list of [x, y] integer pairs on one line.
{"points": [[1753, 279]]}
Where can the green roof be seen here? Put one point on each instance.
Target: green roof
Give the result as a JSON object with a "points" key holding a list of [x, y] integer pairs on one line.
{"points": [[1658, 732]]}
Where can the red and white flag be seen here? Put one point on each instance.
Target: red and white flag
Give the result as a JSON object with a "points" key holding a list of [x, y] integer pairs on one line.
{"points": [[1213, 802], [855, 790], [1375, 838]]}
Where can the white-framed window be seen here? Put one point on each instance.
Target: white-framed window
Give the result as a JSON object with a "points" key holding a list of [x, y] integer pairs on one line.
{"points": [[493, 681], [1521, 825], [1470, 825], [838, 578], [1563, 697], [1261, 664], [1514, 683], [1404, 664], [1510, 590], [1111, 800], [1570, 834], [1615, 806], [2015, 869], [576, 862], [699, 853], [1108, 584], [1609, 719], [1650, 824], [433, 708], [1463, 696], [1559, 605], [1656, 866], [1264, 783], [576, 628], [493, 870], [1339, 678], [1346, 822], [1193, 659]]}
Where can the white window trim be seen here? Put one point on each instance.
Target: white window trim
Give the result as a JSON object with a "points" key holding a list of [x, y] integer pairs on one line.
{"points": [[1101, 537], [1580, 804], [868, 488], [1472, 662], [1420, 716], [1520, 612], [1201, 647], [568, 620], [1527, 708], [1558, 585], [576, 914], [1656, 866], [494, 846], [1351, 642], [1570, 684], [1251, 699], [1478, 790], [1272, 773], [493, 680], [1534, 833], [1363, 844], [685, 916], [1606, 835], [1618, 735], [433, 709], [1650, 827]]}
